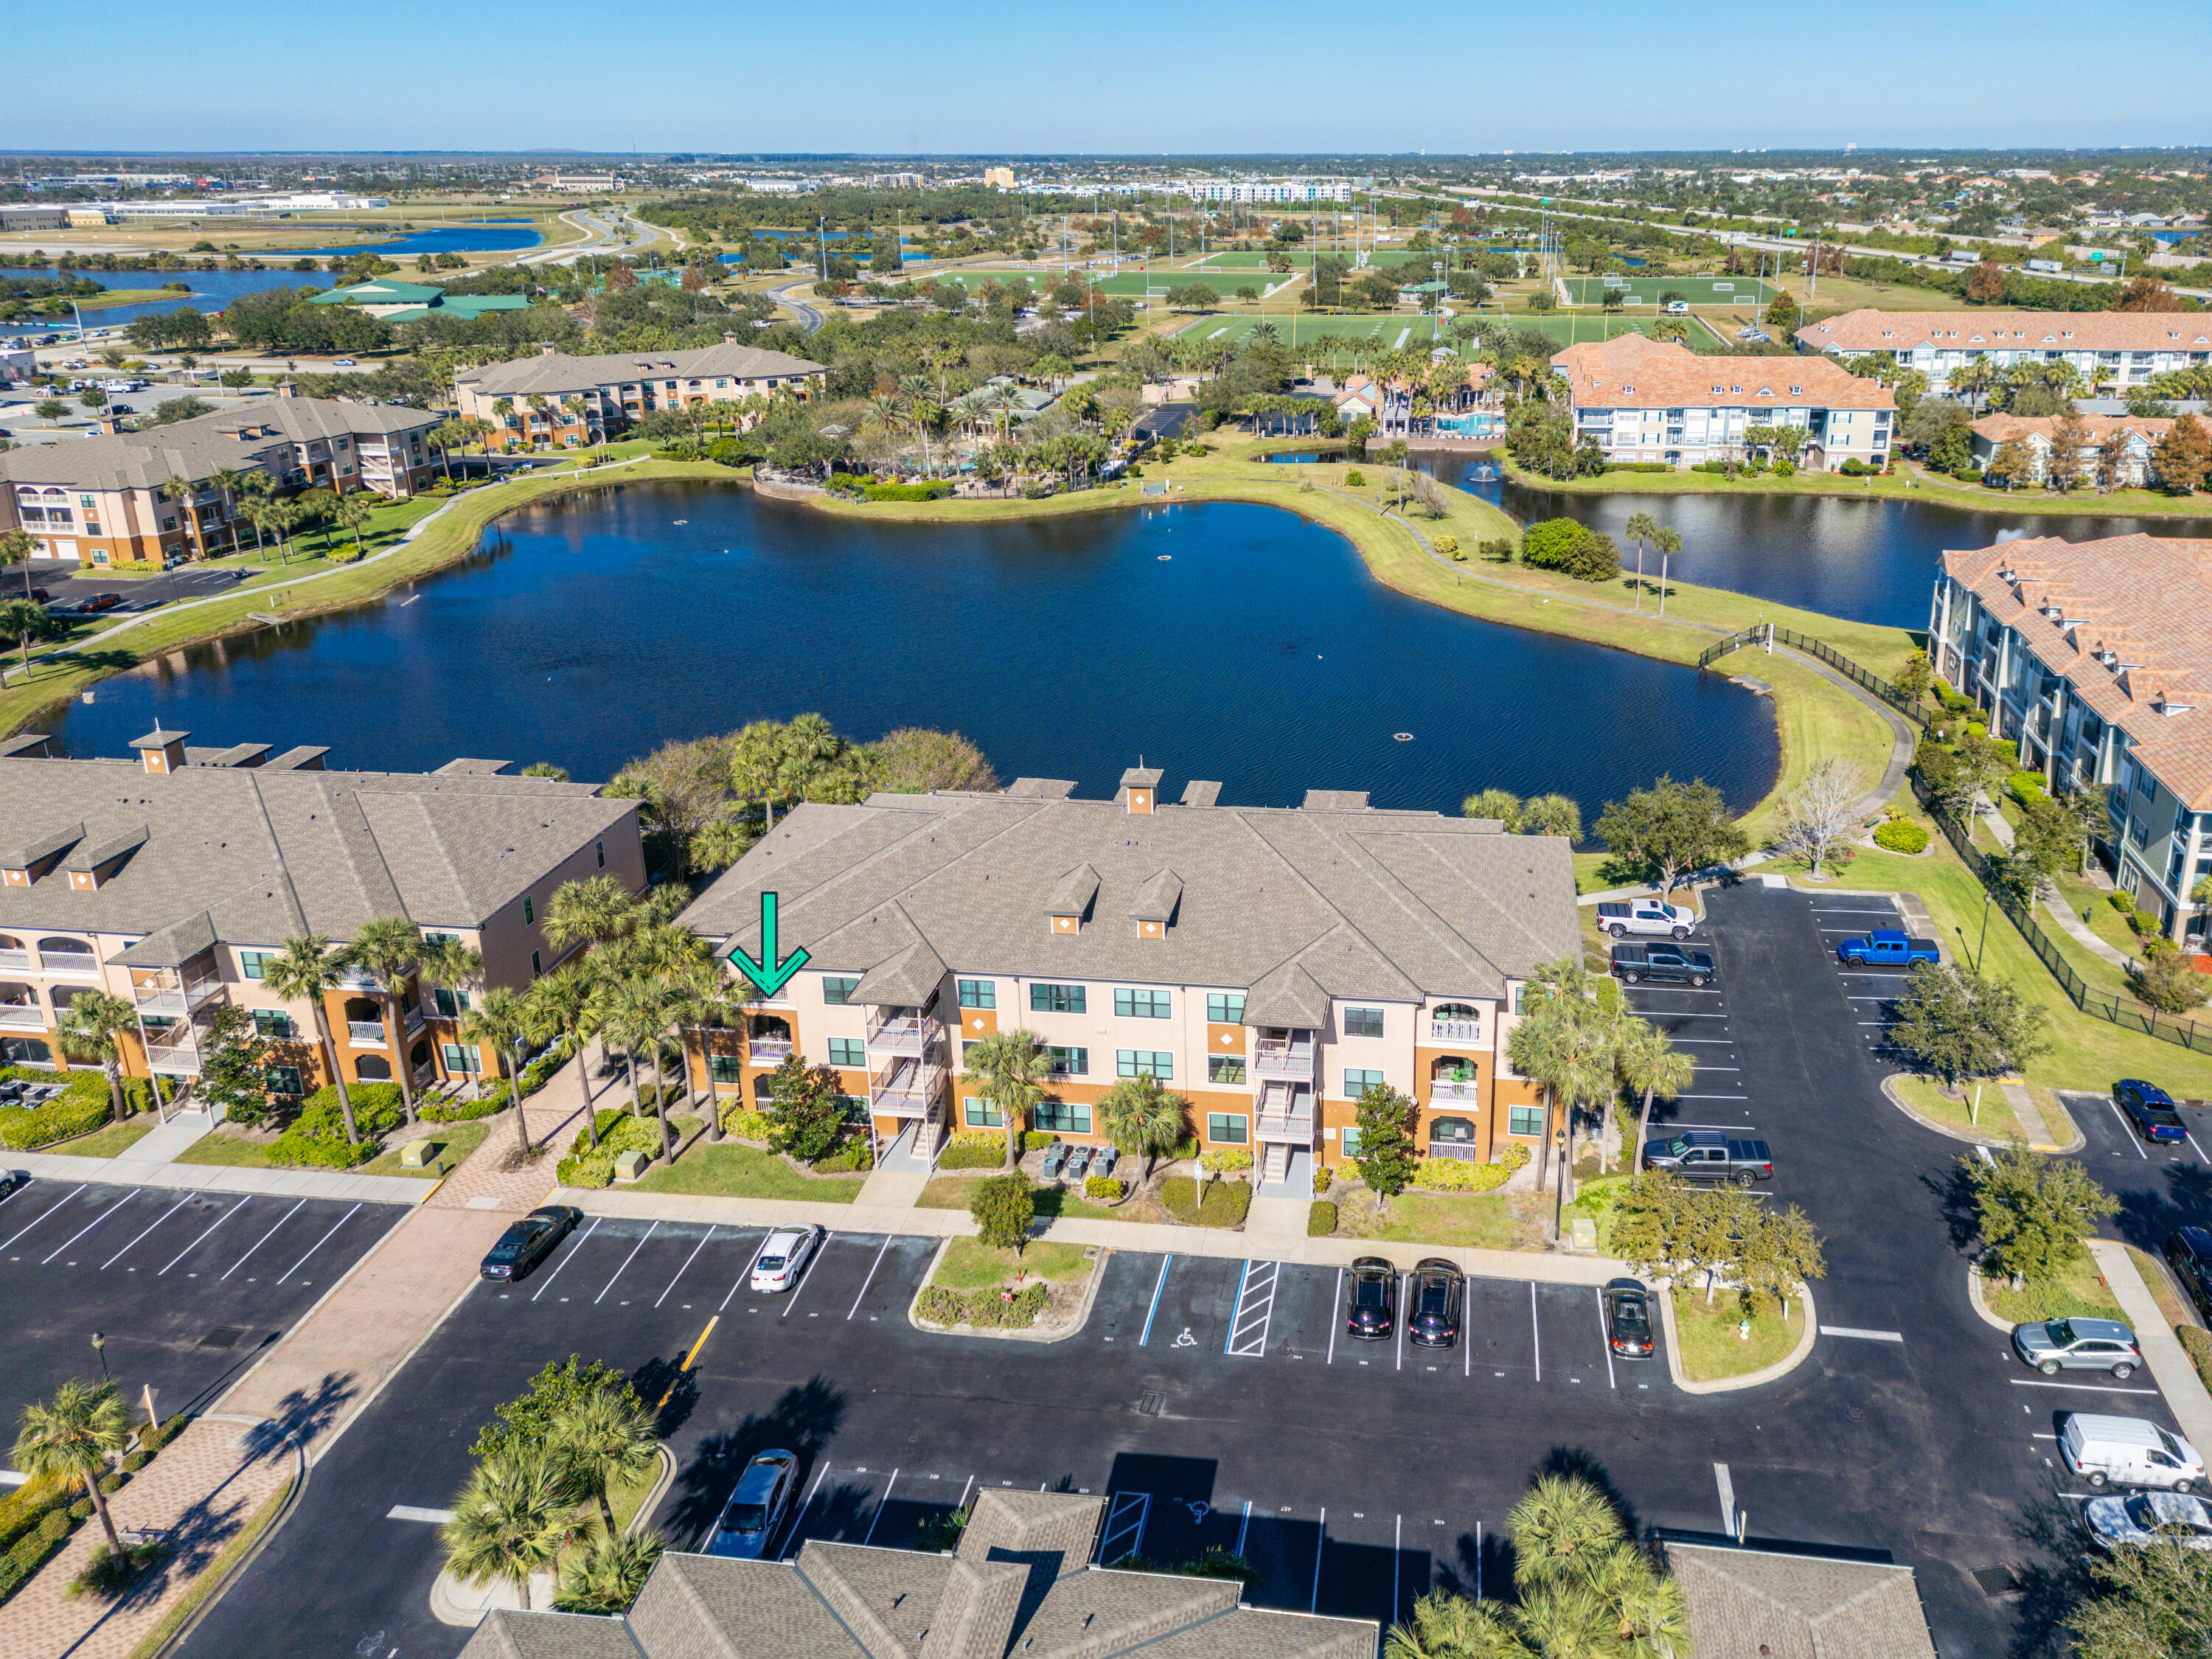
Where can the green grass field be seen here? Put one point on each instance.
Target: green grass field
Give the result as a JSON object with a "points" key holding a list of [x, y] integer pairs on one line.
{"points": [[1393, 329], [1698, 290], [1302, 259], [1574, 331]]}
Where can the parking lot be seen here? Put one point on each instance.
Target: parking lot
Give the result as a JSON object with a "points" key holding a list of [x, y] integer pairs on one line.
{"points": [[187, 1288]]}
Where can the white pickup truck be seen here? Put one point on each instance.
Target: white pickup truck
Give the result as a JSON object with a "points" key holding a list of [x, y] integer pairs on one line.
{"points": [[1620, 917]]}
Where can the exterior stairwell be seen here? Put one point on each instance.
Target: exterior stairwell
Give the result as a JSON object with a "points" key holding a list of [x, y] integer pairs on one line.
{"points": [[1275, 1161]]}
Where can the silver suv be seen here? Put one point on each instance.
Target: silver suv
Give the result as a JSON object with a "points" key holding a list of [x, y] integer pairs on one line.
{"points": [[2078, 1344], [1620, 917]]}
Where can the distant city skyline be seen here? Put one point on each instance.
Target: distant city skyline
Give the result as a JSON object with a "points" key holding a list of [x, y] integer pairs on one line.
{"points": [[1024, 79]]}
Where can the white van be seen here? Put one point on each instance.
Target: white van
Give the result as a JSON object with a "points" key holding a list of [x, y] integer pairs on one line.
{"points": [[2126, 1451]]}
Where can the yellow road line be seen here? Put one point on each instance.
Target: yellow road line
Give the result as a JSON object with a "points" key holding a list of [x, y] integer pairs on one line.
{"points": [[688, 1358]]}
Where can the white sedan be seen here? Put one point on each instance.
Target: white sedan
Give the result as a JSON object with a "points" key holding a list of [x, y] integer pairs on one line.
{"points": [[2150, 1517], [785, 1256]]}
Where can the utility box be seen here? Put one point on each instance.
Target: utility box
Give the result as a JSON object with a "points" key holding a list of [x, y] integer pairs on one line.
{"points": [[629, 1165], [417, 1154], [1582, 1234]]}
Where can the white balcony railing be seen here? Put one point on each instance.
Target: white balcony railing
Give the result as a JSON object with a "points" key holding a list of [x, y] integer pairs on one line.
{"points": [[21, 1017], [771, 1050], [415, 1018], [1283, 1057], [366, 1034], [171, 999], [82, 963], [897, 1034], [1462, 1150], [1447, 1090], [183, 1057], [1455, 1031], [909, 1089], [17, 959]]}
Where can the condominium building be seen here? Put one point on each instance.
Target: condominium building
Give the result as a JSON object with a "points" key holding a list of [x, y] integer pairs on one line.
{"points": [[1268, 965], [554, 401], [2114, 448], [170, 879], [2094, 658], [107, 500], [2109, 348], [1654, 400], [1287, 192]]}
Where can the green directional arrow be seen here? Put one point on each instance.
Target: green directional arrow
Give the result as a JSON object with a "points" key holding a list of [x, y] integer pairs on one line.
{"points": [[769, 973]]}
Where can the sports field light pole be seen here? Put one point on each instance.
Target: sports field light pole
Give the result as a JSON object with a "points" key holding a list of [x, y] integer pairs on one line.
{"points": [[1437, 315]]}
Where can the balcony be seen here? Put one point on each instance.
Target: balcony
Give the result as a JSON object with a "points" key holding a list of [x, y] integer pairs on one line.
{"points": [[174, 1057], [1450, 1092], [1285, 1113], [19, 960], [1291, 1057], [366, 1034], [80, 963], [414, 1019], [167, 993], [21, 1017], [769, 1050], [1462, 1150], [1455, 1031], [898, 1031], [909, 1089]]}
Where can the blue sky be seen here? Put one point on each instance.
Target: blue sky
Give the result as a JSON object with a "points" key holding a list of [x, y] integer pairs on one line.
{"points": [[994, 75]]}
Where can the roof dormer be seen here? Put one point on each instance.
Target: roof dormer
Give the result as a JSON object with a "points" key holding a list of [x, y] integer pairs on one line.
{"points": [[1069, 902], [1156, 901], [90, 867]]}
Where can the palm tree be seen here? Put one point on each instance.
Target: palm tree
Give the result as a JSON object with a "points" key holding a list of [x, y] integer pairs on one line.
{"points": [[354, 512], [179, 489], [308, 970], [1643, 527], [504, 409], [93, 1030], [704, 999], [225, 481], [1565, 1042], [1449, 1627], [16, 547], [634, 1012], [511, 1520], [605, 1436], [592, 911], [1014, 1071], [564, 1009], [608, 1575], [1559, 1526], [70, 1436], [23, 620], [1139, 1116], [501, 1019], [1669, 543], [1651, 1066], [388, 949]]}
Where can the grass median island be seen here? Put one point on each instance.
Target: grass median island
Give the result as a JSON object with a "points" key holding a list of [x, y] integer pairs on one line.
{"points": [[2077, 1289], [1708, 1341], [970, 1264], [1926, 1096], [985, 1287], [111, 1142]]}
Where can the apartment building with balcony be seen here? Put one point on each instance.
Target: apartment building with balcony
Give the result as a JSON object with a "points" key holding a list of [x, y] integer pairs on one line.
{"points": [[170, 879], [105, 501], [554, 401], [2118, 349], [1268, 964], [1655, 401], [2122, 448], [2095, 659]]}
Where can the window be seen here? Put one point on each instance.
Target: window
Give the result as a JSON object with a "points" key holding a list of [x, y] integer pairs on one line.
{"points": [[1358, 1083], [603, 854], [1224, 1007], [1070, 1062], [1362, 1022], [838, 992], [978, 1114], [726, 1068], [1063, 1116], [283, 1080], [2149, 785], [847, 1051], [1142, 1005], [462, 1059], [249, 962], [448, 1003], [966, 1049], [979, 993], [529, 912], [1232, 1127], [1225, 1068], [1056, 999], [1351, 1141], [273, 1023], [536, 968], [1145, 1063], [1520, 996], [1525, 1119]]}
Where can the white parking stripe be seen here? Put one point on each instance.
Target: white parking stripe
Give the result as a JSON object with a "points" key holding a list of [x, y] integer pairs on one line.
{"points": [[234, 1209], [2195, 1148], [1610, 1381], [1335, 1318], [806, 1273], [1727, 1497], [2087, 1388], [882, 1504], [42, 1215], [871, 1278], [1887, 910], [1254, 1312], [82, 1231], [748, 1273], [1405, 1297], [1866, 1336], [1709, 1043], [2128, 1129], [687, 1261], [566, 1260], [1676, 1013], [166, 1214], [1536, 1330], [796, 1519], [408, 1512], [318, 1245], [626, 1260], [1712, 1096], [264, 1239]]}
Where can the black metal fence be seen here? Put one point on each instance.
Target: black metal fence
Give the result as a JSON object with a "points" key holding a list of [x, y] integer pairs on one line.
{"points": [[1768, 633]]}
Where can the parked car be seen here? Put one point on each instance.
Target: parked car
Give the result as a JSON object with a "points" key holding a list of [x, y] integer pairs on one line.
{"points": [[2127, 1451], [1055, 1160], [1886, 947], [39, 596], [1662, 964], [1078, 1160], [2188, 1252], [2150, 1108], [756, 1508], [342, 362], [529, 1242], [103, 602], [2150, 1517], [1709, 1155], [1645, 915], [1627, 1317], [785, 1256], [1439, 1295], [1371, 1306], [2078, 1344], [12, 1179]]}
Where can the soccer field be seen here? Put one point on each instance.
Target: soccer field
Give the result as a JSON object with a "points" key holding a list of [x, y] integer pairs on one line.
{"points": [[1302, 259], [1393, 330], [1576, 331], [1697, 290]]}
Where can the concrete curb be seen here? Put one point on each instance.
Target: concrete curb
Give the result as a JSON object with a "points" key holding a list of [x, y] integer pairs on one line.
{"points": [[1082, 1314], [1995, 1142], [1981, 1305], [1780, 1368], [215, 1592], [652, 1501], [2169, 1361]]}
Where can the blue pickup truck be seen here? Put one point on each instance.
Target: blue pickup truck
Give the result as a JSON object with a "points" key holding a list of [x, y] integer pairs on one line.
{"points": [[1886, 948]]}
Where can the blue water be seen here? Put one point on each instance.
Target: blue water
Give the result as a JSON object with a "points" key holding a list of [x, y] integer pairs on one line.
{"points": [[211, 291], [487, 238], [1220, 640]]}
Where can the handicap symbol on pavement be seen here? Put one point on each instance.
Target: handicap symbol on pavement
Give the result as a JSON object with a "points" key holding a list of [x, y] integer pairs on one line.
{"points": [[1199, 1508], [1186, 1340]]}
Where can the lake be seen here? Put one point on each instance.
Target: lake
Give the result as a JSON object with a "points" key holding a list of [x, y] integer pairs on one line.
{"points": [[1220, 640], [1873, 561], [489, 237], [211, 291]]}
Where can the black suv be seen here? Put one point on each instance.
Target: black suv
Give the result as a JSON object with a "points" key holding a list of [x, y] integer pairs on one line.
{"points": [[2188, 1252], [1668, 964], [1433, 1320], [1372, 1301]]}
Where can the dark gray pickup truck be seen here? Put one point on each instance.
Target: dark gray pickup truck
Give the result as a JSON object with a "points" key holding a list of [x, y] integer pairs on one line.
{"points": [[1709, 1155]]}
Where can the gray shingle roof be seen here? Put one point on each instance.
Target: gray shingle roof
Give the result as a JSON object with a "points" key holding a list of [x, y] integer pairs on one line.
{"points": [[506, 1634], [198, 449], [557, 372], [1386, 905], [264, 856], [1800, 1606]]}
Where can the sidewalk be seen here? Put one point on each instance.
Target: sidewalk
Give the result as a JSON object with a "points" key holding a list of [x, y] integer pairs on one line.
{"points": [[2177, 1378], [131, 1170]]}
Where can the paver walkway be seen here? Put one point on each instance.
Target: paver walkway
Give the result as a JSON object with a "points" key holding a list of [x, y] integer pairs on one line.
{"points": [[2161, 1350]]}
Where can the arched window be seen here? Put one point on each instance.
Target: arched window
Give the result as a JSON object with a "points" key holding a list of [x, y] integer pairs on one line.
{"points": [[64, 947], [373, 1068], [15, 995], [1454, 1129], [362, 1009]]}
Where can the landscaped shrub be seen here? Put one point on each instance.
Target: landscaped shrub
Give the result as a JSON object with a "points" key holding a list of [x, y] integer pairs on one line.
{"points": [[1223, 1204], [1448, 546], [30, 1506], [1355, 479], [376, 1109], [1106, 1187], [1224, 1159], [1572, 548], [2121, 899], [1901, 836], [460, 1109], [853, 1155], [743, 1123], [1500, 549], [986, 1309], [2027, 787], [1515, 1158], [1323, 1178], [298, 1150], [1003, 1207], [2197, 1342], [137, 1460], [971, 1157], [1320, 1220], [619, 1133], [83, 1108], [1454, 1174], [1786, 468], [1639, 467]]}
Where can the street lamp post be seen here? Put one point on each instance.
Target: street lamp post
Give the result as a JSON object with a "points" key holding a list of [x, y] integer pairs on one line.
{"points": [[100, 1347]]}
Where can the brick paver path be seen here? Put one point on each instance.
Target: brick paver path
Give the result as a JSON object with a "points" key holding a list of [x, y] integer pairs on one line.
{"points": [[555, 1113]]}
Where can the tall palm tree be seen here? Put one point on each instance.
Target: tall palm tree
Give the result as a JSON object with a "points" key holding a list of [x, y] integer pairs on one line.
{"points": [[564, 1009], [1564, 1043], [1669, 543], [1013, 1070], [1450, 1627], [179, 489], [1643, 527], [1139, 1115], [23, 620], [511, 1520], [307, 971], [703, 999], [1651, 1066], [70, 1436], [588, 912], [388, 949], [504, 409], [353, 511], [604, 1435], [92, 1028], [225, 481], [608, 1574], [16, 547], [501, 1019], [1558, 1526], [634, 1012]]}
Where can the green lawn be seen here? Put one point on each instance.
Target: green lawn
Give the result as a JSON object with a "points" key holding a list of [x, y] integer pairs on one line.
{"points": [[231, 1150], [1709, 1347], [1392, 330], [1697, 290], [454, 1141], [971, 1265], [115, 1138], [2080, 1289], [1926, 1096], [1485, 1221], [729, 1169], [1053, 1203]]}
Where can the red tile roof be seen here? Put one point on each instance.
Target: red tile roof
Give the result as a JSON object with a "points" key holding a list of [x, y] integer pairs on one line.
{"points": [[1631, 372], [2011, 330]]}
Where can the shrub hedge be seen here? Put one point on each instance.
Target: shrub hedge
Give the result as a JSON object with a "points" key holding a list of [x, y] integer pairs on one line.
{"points": [[746, 1124], [853, 1154], [1452, 1175], [82, 1107], [1223, 1204], [461, 1110], [985, 1310], [1320, 1220], [1224, 1159], [1106, 1187], [957, 1156], [619, 1133]]}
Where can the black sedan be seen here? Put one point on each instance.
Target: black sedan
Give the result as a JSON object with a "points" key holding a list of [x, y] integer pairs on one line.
{"points": [[1371, 1313], [1438, 1292], [1627, 1318], [2150, 1108], [529, 1241]]}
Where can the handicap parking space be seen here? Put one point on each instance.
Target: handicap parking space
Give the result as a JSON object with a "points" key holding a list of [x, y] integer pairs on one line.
{"points": [[1170, 1306]]}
